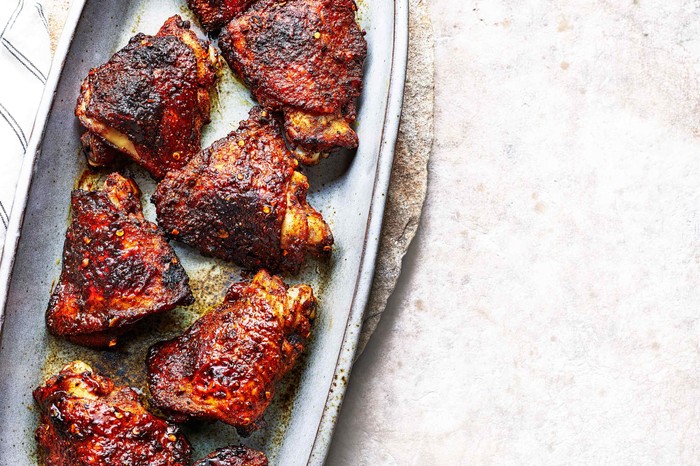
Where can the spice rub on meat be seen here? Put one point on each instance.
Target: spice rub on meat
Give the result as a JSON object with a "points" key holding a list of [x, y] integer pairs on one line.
{"points": [[242, 200], [150, 100], [305, 59], [215, 14], [225, 366], [86, 420], [117, 268]]}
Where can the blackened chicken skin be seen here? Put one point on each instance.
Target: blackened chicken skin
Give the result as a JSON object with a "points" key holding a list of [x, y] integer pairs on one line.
{"points": [[225, 366], [242, 200], [86, 420], [117, 268], [234, 456], [150, 99], [304, 58], [215, 14], [99, 153]]}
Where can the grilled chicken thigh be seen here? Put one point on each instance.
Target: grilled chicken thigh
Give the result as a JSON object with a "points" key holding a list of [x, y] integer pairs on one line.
{"points": [[226, 365], [117, 268], [243, 201], [234, 456], [150, 99], [215, 14], [305, 58], [86, 420]]}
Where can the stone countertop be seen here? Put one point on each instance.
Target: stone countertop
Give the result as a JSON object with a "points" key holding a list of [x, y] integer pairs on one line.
{"points": [[548, 311]]}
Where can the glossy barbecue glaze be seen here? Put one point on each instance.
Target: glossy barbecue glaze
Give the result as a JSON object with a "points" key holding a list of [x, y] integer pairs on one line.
{"points": [[86, 420], [150, 99], [242, 200], [117, 268], [226, 365], [305, 58]]}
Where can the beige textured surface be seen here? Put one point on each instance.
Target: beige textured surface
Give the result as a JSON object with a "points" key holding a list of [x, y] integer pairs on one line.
{"points": [[549, 308], [56, 12]]}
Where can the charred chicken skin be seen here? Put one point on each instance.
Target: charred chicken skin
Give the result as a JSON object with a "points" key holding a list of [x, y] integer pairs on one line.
{"points": [[243, 201], [226, 365], [215, 14], [99, 153], [117, 268], [86, 420], [304, 58], [234, 456], [149, 100]]}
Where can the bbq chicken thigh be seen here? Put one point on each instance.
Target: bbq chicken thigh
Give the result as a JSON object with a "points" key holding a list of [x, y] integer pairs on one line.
{"points": [[226, 365], [117, 268], [86, 420], [242, 200], [215, 14], [304, 58], [234, 456], [149, 100]]}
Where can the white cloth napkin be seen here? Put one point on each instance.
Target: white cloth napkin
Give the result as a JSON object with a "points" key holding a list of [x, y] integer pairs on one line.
{"points": [[25, 59]]}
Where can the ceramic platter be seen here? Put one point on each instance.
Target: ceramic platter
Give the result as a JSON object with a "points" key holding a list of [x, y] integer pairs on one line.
{"points": [[348, 188]]}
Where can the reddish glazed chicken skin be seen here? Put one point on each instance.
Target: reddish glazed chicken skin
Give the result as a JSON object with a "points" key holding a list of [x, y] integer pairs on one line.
{"points": [[215, 14], [242, 200], [150, 100], [117, 268], [86, 420], [226, 365], [305, 59]]}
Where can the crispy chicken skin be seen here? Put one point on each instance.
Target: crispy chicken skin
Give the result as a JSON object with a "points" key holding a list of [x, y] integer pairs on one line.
{"points": [[215, 14], [234, 456], [150, 99], [305, 58], [86, 420], [117, 268], [242, 200], [98, 152], [225, 366]]}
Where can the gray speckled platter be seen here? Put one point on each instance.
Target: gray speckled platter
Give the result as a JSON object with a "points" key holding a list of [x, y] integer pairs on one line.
{"points": [[349, 188]]}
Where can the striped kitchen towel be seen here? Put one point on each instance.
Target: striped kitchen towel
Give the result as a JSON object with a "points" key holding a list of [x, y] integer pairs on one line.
{"points": [[25, 58]]}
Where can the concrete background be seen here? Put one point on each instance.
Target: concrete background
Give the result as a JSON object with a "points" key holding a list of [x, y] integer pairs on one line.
{"points": [[547, 312]]}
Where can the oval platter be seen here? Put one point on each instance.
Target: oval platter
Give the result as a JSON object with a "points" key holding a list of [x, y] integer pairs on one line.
{"points": [[349, 188]]}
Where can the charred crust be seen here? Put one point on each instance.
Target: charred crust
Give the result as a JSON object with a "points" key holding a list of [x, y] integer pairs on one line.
{"points": [[230, 201], [117, 268], [320, 39], [225, 366], [85, 419], [152, 96]]}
